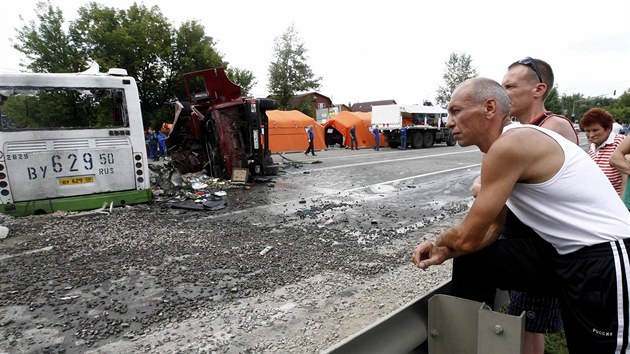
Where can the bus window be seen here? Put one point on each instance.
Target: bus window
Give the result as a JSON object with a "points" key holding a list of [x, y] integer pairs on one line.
{"points": [[50, 108]]}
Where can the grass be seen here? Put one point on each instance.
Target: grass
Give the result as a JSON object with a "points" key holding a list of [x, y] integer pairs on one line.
{"points": [[555, 343]]}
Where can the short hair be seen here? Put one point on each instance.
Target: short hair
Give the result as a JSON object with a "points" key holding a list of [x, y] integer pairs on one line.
{"points": [[597, 116], [545, 71], [483, 88]]}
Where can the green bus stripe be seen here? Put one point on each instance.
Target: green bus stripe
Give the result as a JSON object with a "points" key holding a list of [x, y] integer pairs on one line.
{"points": [[78, 203]]}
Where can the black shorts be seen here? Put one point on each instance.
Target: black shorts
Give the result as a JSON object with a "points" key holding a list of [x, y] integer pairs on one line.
{"points": [[591, 284], [542, 312]]}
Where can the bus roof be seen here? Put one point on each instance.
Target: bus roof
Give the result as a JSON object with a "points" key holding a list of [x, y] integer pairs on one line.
{"points": [[26, 79]]}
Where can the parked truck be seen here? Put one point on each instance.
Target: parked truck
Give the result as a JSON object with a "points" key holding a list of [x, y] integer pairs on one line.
{"points": [[219, 131], [426, 125]]}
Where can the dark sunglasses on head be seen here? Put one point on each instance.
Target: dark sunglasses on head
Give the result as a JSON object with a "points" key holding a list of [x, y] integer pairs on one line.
{"points": [[532, 64]]}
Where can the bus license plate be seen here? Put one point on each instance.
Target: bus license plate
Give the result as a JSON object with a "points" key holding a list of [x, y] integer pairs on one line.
{"points": [[66, 181]]}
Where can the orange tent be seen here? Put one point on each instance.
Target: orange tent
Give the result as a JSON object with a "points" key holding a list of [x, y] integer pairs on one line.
{"points": [[287, 131], [338, 129]]}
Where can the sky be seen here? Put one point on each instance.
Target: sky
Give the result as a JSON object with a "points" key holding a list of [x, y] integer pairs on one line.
{"points": [[380, 50]]}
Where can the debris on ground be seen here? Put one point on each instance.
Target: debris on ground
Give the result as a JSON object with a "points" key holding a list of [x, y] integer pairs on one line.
{"points": [[195, 190], [287, 162], [104, 210]]}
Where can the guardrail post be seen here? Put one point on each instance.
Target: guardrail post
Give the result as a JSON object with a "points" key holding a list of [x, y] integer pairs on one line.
{"points": [[463, 326]]}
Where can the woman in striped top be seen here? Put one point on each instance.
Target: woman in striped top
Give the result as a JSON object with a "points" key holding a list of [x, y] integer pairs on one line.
{"points": [[597, 123]]}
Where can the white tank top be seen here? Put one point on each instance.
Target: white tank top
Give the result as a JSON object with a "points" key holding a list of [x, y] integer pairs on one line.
{"points": [[575, 208]]}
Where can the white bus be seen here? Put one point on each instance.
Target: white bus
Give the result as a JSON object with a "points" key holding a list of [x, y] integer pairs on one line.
{"points": [[70, 142]]}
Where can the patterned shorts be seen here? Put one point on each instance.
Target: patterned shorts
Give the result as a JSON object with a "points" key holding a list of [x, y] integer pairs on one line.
{"points": [[542, 313]]}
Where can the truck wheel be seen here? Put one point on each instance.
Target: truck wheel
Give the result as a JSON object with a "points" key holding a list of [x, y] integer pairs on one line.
{"points": [[416, 140], [427, 140], [451, 140]]}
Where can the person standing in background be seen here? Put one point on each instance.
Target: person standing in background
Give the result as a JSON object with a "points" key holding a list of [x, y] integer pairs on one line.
{"points": [[377, 138], [354, 143], [311, 139], [597, 124], [162, 144], [153, 145], [403, 138]]}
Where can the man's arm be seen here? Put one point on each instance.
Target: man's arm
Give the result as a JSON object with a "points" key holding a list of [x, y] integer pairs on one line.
{"points": [[502, 167], [618, 158]]}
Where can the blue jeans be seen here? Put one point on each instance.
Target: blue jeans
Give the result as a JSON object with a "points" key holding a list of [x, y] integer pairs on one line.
{"points": [[403, 142]]}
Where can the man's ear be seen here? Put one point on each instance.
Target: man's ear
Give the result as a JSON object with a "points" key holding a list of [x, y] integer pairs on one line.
{"points": [[540, 89], [491, 107]]}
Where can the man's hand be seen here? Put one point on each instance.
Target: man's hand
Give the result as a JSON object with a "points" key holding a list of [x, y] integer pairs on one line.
{"points": [[428, 254]]}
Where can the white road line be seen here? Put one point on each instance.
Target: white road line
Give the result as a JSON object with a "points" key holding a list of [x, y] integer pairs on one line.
{"points": [[342, 192], [410, 177], [392, 160]]}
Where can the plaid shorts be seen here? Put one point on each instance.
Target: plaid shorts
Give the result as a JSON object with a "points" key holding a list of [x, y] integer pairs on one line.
{"points": [[542, 313]]}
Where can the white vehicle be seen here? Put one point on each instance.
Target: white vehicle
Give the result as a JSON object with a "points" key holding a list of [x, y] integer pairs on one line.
{"points": [[425, 125], [70, 142]]}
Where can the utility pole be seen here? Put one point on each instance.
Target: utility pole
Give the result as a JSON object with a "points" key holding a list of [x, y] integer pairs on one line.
{"points": [[573, 108]]}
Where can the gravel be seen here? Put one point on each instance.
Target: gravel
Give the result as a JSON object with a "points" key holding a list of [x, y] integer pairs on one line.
{"points": [[150, 278]]}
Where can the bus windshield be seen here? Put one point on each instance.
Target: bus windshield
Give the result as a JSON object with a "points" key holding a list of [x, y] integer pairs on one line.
{"points": [[61, 108]]}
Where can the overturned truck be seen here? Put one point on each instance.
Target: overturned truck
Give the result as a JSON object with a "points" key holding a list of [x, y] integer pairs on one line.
{"points": [[218, 131]]}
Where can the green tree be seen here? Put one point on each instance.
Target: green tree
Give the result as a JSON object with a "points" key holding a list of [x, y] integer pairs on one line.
{"points": [[289, 73], [621, 109], [553, 102], [244, 78], [192, 50], [139, 39], [46, 45], [458, 69]]}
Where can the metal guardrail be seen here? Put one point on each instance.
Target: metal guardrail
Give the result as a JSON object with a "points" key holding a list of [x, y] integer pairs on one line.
{"points": [[405, 330]]}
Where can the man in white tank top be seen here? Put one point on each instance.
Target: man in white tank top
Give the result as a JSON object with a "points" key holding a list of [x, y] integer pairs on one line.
{"points": [[581, 252]]}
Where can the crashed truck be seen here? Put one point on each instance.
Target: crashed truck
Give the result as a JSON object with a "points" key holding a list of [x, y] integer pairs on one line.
{"points": [[218, 131], [426, 125]]}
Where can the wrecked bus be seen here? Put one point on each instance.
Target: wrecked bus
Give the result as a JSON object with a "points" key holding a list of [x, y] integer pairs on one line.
{"points": [[70, 141], [218, 131]]}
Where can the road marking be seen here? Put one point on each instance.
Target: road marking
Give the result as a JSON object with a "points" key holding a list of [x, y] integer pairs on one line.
{"points": [[391, 160], [285, 202], [410, 177]]}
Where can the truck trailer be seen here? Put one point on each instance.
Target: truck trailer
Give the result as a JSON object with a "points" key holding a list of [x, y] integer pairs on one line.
{"points": [[426, 125]]}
